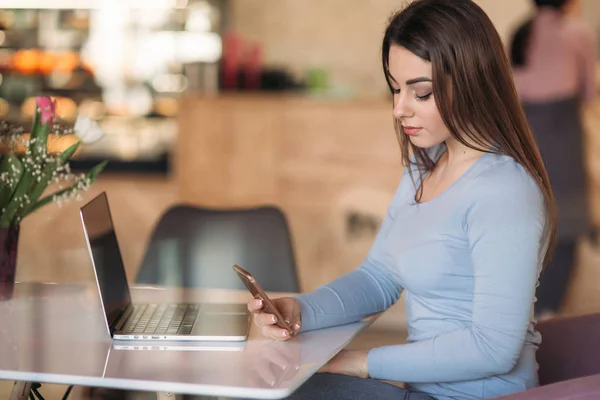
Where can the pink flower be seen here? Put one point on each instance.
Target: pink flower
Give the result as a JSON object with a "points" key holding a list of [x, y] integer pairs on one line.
{"points": [[47, 109]]}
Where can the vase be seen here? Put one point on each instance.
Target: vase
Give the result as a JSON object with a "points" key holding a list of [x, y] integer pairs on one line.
{"points": [[9, 241]]}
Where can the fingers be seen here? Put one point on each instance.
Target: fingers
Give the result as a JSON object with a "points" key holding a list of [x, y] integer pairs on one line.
{"points": [[275, 333], [264, 319], [295, 328], [255, 305], [267, 321]]}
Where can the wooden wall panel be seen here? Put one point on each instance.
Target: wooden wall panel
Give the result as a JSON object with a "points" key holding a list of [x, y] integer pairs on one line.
{"points": [[331, 166]]}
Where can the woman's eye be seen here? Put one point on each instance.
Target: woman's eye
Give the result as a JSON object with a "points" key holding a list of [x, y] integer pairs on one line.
{"points": [[395, 91], [422, 97]]}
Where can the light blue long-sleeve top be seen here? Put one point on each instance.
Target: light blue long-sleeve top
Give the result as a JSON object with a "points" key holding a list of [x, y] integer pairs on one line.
{"points": [[468, 262]]}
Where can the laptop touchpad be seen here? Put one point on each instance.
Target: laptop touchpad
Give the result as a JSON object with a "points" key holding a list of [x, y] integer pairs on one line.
{"points": [[221, 325], [229, 308]]}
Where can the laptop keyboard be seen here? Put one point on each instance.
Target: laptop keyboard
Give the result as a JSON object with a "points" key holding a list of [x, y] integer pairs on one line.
{"points": [[168, 319]]}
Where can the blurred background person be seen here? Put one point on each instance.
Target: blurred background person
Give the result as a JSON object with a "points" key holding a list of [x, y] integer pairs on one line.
{"points": [[553, 56]]}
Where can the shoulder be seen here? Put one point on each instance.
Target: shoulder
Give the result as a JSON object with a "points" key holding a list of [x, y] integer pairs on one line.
{"points": [[578, 30], [500, 181], [506, 204]]}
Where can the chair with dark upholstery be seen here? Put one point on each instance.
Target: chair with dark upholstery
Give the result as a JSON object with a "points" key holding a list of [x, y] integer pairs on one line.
{"points": [[195, 247], [570, 348], [568, 358]]}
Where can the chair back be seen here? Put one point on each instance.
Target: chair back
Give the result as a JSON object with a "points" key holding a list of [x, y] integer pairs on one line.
{"points": [[570, 348], [195, 247]]}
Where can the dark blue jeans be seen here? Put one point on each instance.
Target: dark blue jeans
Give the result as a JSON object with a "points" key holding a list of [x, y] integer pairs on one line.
{"points": [[324, 386]]}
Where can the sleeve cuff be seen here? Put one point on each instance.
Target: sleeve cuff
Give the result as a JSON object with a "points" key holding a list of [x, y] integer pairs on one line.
{"points": [[307, 313]]}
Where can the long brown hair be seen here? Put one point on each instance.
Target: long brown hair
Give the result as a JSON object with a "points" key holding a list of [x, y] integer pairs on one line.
{"points": [[473, 88]]}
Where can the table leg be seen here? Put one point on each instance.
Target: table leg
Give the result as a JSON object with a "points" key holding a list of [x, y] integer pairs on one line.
{"points": [[20, 391]]}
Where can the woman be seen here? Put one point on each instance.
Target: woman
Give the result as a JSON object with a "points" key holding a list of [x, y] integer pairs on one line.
{"points": [[554, 60], [465, 236]]}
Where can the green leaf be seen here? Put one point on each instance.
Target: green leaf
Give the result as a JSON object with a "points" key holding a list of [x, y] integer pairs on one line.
{"points": [[48, 199], [39, 132], [7, 190], [68, 153], [28, 184], [35, 126], [39, 186], [95, 171], [16, 200], [92, 174]]}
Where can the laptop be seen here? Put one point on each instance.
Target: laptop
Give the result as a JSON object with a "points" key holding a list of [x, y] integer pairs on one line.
{"points": [[178, 346], [150, 322]]}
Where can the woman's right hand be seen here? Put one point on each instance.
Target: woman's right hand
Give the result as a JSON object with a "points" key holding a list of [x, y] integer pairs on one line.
{"points": [[288, 307]]}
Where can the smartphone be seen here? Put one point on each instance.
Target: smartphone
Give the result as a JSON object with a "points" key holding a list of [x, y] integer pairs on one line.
{"points": [[259, 293]]}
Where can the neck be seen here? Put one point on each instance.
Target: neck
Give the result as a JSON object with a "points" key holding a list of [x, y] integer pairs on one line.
{"points": [[458, 152]]}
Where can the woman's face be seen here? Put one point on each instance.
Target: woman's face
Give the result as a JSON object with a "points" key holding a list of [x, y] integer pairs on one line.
{"points": [[414, 105]]}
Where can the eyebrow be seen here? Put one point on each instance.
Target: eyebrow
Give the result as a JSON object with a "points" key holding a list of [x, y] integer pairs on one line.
{"points": [[418, 80], [412, 81]]}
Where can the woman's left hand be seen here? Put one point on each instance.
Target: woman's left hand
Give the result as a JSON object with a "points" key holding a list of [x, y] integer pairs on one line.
{"points": [[348, 362]]}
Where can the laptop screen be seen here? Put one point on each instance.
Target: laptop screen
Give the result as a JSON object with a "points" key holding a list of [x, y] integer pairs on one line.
{"points": [[106, 257]]}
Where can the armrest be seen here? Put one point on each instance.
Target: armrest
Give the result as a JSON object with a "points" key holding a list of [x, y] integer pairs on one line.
{"points": [[570, 348], [580, 389]]}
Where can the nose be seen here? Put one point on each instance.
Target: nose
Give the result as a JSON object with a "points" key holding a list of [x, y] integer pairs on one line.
{"points": [[402, 108]]}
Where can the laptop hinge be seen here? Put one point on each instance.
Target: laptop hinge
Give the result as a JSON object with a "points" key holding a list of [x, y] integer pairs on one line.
{"points": [[121, 318]]}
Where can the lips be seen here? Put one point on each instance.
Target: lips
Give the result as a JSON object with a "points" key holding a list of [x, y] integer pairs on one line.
{"points": [[411, 130]]}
